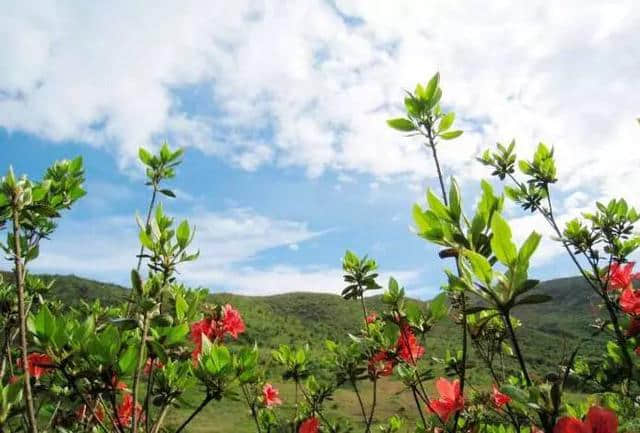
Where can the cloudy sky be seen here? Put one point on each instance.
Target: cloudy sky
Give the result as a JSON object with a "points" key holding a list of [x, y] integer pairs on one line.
{"points": [[281, 107]]}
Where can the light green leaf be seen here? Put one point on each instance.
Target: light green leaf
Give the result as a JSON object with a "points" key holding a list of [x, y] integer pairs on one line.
{"points": [[450, 135], [401, 124]]}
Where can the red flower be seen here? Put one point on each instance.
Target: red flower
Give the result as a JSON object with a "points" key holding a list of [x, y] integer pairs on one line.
{"points": [[310, 425], [381, 364], [498, 398], [232, 322], [270, 395], [634, 327], [630, 301], [14, 379], [38, 364], [372, 317], [151, 364], [408, 347], [450, 401], [598, 420], [621, 276], [125, 411]]}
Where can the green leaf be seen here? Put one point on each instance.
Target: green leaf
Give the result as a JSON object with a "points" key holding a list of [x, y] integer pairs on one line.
{"points": [[501, 244], [450, 135], [182, 234], [480, 266], [401, 124], [436, 206], [446, 122], [528, 248], [127, 361], [432, 85], [144, 156], [168, 193]]}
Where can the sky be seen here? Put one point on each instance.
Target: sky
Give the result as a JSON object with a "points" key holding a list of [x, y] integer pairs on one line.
{"points": [[281, 109]]}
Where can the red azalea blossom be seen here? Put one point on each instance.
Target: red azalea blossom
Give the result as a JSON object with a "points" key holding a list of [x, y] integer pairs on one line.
{"points": [[372, 317], [408, 347], [82, 412], [151, 364], [450, 401], [310, 425], [598, 420], [630, 301], [37, 364], [498, 398], [381, 364], [125, 411], [270, 395], [232, 322], [621, 276]]}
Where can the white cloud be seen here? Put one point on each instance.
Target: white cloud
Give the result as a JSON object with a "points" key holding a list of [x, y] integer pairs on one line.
{"points": [[294, 83], [320, 88]]}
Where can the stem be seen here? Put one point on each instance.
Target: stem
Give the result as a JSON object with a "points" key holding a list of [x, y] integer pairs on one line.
{"points": [[136, 376], [516, 347], [432, 144], [415, 398], [373, 404], [147, 398], [252, 407], [202, 405], [19, 274], [364, 413], [364, 313], [146, 224], [160, 420]]}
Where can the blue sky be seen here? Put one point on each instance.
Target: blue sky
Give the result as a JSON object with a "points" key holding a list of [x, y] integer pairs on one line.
{"points": [[281, 109]]}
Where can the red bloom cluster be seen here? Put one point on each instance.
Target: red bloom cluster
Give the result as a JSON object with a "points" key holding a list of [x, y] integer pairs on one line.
{"points": [[310, 425], [381, 364], [126, 411], [230, 323], [451, 399], [630, 301], [270, 395], [38, 364], [499, 399], [598, 420], [621, 276], [408, 347]]}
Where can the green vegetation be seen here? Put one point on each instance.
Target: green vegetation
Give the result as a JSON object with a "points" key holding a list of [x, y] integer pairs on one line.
{"points": [[548, 335]]}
